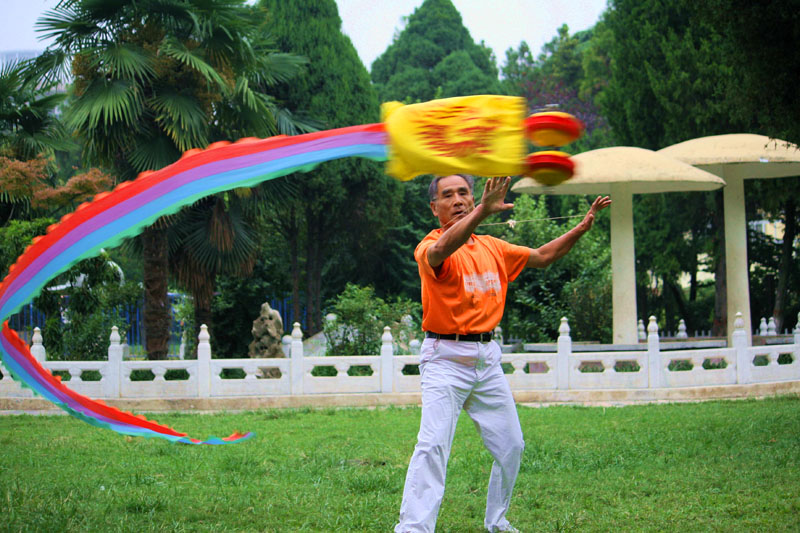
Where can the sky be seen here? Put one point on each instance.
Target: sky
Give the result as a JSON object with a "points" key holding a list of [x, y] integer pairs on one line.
{"points": [[371, 24]]}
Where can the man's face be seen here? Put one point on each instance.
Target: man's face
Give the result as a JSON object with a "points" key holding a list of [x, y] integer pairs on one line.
{"points": [[453, 200]]}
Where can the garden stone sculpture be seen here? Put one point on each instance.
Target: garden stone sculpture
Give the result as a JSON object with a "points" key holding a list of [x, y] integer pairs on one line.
{"points": [[267, 331]]}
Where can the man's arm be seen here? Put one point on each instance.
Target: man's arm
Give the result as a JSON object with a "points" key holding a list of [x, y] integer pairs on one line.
{"points": [[554, 250], [459, 232]]}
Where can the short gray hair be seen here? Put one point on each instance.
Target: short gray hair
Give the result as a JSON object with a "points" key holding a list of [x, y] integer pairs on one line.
{"points": [[433, 189]]}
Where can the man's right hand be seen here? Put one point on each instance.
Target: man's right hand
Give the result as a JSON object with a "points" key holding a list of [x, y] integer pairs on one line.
{"points": [[494, 196]]}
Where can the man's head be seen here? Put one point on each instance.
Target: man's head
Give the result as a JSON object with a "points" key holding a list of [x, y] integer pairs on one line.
{"points": [[451, 197]]}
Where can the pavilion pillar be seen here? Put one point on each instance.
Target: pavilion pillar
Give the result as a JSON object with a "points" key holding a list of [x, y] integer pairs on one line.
{"points": [[623, 265], [736, 266]]}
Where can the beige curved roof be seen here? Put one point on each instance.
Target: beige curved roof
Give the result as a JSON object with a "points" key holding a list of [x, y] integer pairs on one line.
{"points": [[746, 154], [646, 172]]}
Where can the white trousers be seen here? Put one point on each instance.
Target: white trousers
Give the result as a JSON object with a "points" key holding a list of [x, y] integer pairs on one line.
{"points": [[458, 375]]}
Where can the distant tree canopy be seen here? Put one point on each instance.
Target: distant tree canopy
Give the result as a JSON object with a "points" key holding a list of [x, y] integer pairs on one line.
{"points": [[670, 76], [759, 41], [571, 72], [434, 56]]}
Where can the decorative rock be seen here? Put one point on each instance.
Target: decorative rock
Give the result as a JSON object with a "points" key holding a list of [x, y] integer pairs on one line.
{"points": [[267, 332]]}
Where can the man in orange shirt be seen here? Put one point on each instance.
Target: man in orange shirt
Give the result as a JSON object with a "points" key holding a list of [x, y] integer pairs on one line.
{"points": [[464, 281]]}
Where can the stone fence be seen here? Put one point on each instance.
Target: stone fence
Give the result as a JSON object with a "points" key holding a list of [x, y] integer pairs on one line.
{"points": [[531, 375]]}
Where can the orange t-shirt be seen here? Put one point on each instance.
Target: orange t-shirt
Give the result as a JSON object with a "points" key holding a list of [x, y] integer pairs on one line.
{"points": [[467, 293]]}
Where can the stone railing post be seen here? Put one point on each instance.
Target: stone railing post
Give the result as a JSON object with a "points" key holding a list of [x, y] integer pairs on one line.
{"points": [[641, 333], [113, 375], [654, 370], [204, 363], [297, 359], [563, 357], [286, 345], [498, 335], [682, 330], [739, 341], [37, 347], [387, 361], [414, 346], [762, 327], [771, 326]]}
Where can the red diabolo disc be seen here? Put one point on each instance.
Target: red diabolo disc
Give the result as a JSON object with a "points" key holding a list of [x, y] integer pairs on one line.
{"points": [[550, 167], [553, 128]]}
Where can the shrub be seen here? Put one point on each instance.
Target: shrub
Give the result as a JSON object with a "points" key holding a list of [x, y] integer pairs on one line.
{"points": [[361, 317], [81, 315]]}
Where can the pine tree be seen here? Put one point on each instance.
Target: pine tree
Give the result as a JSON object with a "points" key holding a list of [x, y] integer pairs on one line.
{"points": [[434, 56]]}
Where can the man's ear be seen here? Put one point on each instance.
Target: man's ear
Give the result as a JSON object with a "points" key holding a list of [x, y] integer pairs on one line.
{"points": [[433, 209]]}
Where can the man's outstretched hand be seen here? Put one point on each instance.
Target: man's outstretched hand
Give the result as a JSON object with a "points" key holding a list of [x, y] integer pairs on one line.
{"points": [[494, 195], [600, 203]]}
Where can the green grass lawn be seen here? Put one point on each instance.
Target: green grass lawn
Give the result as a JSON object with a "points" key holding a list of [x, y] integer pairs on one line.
{"points": [[716, 466]]}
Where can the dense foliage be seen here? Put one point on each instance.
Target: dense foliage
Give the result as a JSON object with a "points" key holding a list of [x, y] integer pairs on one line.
{"points": [[578, 286], [359, 319], [343, 210]]}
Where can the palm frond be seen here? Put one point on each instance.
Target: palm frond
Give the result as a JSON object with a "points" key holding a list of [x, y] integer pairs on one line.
{"points": [[10, 77], [182, 118], [49, 67], [124, 60], [152, 151], [216, 238], [245, 94], [246, 113], [293, 124], [273, 68], [106, 102], [192, 59], [70, 24]]}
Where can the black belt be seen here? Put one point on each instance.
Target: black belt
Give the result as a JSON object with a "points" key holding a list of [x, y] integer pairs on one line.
{"points": [[472, 337]]}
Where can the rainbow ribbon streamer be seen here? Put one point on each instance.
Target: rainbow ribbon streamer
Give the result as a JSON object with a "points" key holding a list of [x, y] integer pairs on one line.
{"points": [[125, 212], [481, 134]]}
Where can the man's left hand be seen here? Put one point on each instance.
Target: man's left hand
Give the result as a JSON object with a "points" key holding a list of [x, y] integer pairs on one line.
{"points": [[600, 203]]}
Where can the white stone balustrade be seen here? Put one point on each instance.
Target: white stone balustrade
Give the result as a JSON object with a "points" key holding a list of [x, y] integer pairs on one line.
{"points": [[562, 369]]}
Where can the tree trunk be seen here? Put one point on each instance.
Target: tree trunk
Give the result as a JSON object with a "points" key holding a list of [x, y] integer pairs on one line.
{"points": [[787, 250], [680, 301], [202, 309], [157, 319], [719, 327], [693, 273], [318, 287], [293, 252], [310, 243]]}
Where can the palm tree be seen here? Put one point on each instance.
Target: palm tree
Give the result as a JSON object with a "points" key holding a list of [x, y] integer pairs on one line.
{"points": [[153, 78], [30, 133], [29, 127]]}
